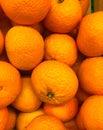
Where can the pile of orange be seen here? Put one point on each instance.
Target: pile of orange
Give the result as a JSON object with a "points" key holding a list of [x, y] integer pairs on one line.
{"points": [[51, 65]]}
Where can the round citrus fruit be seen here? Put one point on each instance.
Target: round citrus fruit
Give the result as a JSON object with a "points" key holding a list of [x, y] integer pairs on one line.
{"points": [[92, 113], [11, 119], [24, 118], [54, 82], [3, 118], [24, 47], [60, 47], [64, 112], [26, 101], [90, 36], [46, 122], [90, 75], [63, 16], [10, 83], [25, 12]]}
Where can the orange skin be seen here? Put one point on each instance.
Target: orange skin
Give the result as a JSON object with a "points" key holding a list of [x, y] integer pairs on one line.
{"points": [[29, 44], [62, 16], [91, 112], [64, 112], [46, 85], [27, 100], [11, 119], [26, 118], [46, 122], [10, 83], [26, 13], [3, 118], [90, 39], [90, 75], [60, 47], [85, 6]]}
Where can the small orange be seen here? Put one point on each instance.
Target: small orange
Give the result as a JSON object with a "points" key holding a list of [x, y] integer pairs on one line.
{"points": [[23, 119], [10, 83], [90, 75], [90, 36], [64, 112], [60, 47], [11, 119], [85, 6], [3, 118], [24, 47], [26, 12], [63, 16], [92, 112], [54, 82], [46, 122], [1, 42], [26, 101]]}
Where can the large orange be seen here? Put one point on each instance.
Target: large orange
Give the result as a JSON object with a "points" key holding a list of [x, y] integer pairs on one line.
{"points": [[46, 122], [64, 112], [92, 113], [27, 100], [24, 47], [60, 47], [3, 118], [10, 83], [90, 35], [63, 16], [91, 75], [25, 12], [54, 82]]}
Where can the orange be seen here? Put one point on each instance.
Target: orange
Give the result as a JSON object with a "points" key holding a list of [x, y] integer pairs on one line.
{"points": [[85, 6], [63, 16], [26, 12], [90, 75], [64, 112], [23, 119], [46, 122], [26, 101], [10, 83], [24, 47], [60, 47], [3, 118], [90, 39], [54, 82], [11, 119], [71, 125], [1, 42], [92, 113]]}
